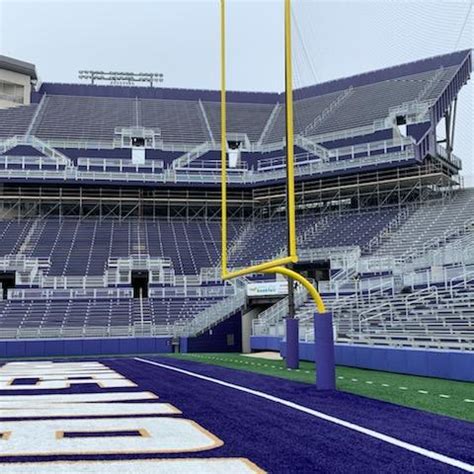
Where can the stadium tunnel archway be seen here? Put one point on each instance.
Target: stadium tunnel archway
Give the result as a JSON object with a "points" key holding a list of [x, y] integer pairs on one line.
{"points": [[316, 271], [7, 281], [140, 280]]}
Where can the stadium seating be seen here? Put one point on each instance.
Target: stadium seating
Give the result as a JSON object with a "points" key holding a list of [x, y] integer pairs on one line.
{"points": [[96, 317], [434, 317], [345, 130], [91, 113], [241, 118], [179, 121], [82, 247], [15, 121], [427, 224]]}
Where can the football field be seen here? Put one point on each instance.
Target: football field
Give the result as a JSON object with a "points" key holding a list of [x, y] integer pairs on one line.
{"points": [[159, 414]]}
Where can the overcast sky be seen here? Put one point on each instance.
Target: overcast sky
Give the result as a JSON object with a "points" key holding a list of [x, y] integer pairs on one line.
{"points": [[181, 39]]}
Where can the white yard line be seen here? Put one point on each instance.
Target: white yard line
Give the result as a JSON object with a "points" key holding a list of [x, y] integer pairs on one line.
{"points": [[317, 414], [340, 377]]}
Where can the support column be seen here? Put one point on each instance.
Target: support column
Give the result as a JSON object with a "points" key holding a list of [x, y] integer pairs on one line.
{"points": [[292, 343], [247, 319], [324, 352], [183, 345]]}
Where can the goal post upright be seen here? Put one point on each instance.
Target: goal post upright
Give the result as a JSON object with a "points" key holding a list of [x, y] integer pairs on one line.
{"points": [[324, 354], [292, 324]]}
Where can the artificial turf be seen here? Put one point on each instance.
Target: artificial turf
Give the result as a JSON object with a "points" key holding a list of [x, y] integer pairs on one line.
{"points": [[445, 397]]}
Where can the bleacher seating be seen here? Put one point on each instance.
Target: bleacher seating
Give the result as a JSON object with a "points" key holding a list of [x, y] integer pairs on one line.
{"points": [[84, 118], [439, 318], [428, 223], [91, 113], [264, 239], [96, 317], [247, 119], [434, 317], [342, 123], [350, 229], [82, 247], [16, 120], [11, 235], [180, 121]]}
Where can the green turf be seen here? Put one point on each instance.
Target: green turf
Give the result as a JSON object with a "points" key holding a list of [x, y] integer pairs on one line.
{"points": [[406, 390]]}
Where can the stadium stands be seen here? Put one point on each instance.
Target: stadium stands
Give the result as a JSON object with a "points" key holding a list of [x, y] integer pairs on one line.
{"points": [[89, 113], [15, 121], [428, 224], [367, 187], [97, 317], [82, 247]]}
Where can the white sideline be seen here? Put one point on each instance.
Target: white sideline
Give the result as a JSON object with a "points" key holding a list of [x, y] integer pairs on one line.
{"points": [[374, 434]]}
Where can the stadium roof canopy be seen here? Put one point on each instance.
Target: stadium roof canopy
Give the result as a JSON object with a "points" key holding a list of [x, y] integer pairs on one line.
{"points": [[21, 67]]}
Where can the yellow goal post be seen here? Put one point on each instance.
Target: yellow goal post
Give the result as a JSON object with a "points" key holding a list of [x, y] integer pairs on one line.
{"points": [[277, 265]]}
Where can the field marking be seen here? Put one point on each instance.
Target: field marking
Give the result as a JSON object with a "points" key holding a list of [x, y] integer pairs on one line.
{"points": [[369, 382], [332, 419]]}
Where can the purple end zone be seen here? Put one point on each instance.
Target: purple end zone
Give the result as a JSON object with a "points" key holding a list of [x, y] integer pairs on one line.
{"points": [[277, 438], [292, 343], [324, 352]]}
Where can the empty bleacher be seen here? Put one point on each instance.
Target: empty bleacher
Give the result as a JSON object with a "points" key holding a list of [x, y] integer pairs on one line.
{"points": [[441, 318], [180, 121], [242, 118], [429, 223], [82, 247], [265, 239], [16, 120], [348, 116], [84, 118], [96, 317]]}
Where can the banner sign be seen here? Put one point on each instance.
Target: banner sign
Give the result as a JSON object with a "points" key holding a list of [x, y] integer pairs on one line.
{"points": [[273, 288]]}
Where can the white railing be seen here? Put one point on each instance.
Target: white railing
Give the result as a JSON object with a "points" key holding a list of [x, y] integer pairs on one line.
{"points": [[191, 155], [279, 310], [334, 105], [315, 148], [69, 294], [26, 162], [211, 316], [68, 282], [414, 299], [269, 123], [460, 281], [189, 175], [192, 291], [105, 164], [440, 241], [392, 226], [456, 161]]}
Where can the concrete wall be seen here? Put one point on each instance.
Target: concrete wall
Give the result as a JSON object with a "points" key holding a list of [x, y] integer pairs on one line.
{"points": [[453, 365], [225, 337], [20, 80], [83, 347], [247, 319]]}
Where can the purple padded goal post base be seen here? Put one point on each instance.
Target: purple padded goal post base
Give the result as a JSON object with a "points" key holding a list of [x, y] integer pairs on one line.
{"points": [[324, 356], [292, 344]]}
